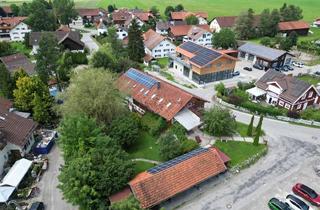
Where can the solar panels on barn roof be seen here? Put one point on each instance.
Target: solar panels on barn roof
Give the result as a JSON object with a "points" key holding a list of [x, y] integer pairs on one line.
{"points": [[190, 47], [176, 160], [141, 78]]}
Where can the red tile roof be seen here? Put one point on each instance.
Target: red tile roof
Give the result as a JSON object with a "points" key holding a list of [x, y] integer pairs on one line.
{"points": [[163, 99], [17, 61], [90, 12], [230, 21], [10, 22], [15, 128], [121, 15], [183, 14], [7, 9], [293, 25], [182, 30], [152, 188], [121, 195], [144, 16], [151, 39]]}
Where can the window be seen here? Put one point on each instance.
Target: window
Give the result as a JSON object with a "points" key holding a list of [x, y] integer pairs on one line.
{"points": [[204, 36], [167, 44], [287, 106], [303, 97], [123, 34], [157, 51], [299, 106], [161, 45], [310, 94], [242, 54], [281, 103]]}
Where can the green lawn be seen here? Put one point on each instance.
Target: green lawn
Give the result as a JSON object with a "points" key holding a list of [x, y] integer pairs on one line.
{"points": [[141, 166], [163, 62], [20, 47], [239, 151], [213, 7], [242, 129], [312, 79], [145, 147]]}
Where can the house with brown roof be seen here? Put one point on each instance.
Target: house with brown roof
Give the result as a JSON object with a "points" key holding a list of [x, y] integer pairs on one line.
{"points": [[157, 45], [221, 22], [300, 27], [6, 11], [89, 15], [285, 91], [16, 133], [202, 65], [182, 15], [149, 94], [199, 34], [13, 28], [162, 182], [123, 17], [162, 27], [18, 61], [68, 40]]}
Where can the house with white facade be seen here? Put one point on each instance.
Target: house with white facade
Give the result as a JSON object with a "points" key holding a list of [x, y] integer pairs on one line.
{"points": [[182, 15], [102, 28], [16, 133], [13, 28], [199, 34], [162, 27], [285, 91], [157, 45], [122, 32]]}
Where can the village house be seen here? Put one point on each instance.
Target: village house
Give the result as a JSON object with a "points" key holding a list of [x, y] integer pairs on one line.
{"points": [[89, 16], [6, 11], [162, 182], [18, 61], [157, 45], [162, 27], [122, 32], [223, 22], [102, 28], [182, 15], [69, 40], [316, 23], [264, 56], [16, 133], [146, 93], [285, 91], [199, 34], [201, 64], [300, 27], [13, 28], [123, 17]]}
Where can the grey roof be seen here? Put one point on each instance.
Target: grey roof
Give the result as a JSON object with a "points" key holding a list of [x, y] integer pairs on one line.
{"points": [[203, 55], [60, 35], [261, 51], [17, 61], [293, 88], [163, 25]]}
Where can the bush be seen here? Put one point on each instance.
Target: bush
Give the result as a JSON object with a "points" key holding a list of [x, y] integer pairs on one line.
{"points": [[153, 123], [245, 86], [79, 58], [236, 100], [220, 88], [266, 110], [311, 114], [266, 41], [188, 145], [293, 114]]}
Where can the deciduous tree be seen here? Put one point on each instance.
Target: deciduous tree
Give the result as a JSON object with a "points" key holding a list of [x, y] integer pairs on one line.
{"points": [[169, 146], [130, 203], [5, 82], [219, 122], [179, 8], [244, 27], [290, 13], [224, 39], [64, 11], [168, 10], [192, 20]]}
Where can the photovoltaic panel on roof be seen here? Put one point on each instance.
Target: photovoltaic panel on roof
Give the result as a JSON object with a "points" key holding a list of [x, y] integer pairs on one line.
{"points": [[190, 47], [141, 78], [205, 56], [176, 160]]}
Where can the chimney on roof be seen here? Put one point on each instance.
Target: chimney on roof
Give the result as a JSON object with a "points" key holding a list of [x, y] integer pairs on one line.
{"points": [[158, 85]]}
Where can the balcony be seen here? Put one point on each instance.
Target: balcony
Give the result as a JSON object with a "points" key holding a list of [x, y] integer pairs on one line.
{"points": [[179, 60]]}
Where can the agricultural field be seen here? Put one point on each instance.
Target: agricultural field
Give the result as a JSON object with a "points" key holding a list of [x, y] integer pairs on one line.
{"points": [[213, 7]]}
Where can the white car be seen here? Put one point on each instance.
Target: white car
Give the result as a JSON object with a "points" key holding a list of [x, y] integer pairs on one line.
{"points": [[296, 203], [298, 64]]}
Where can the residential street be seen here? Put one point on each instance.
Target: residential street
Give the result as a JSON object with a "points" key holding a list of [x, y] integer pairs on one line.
{"points": [[293, 151], [89, 42], [49, 193]]}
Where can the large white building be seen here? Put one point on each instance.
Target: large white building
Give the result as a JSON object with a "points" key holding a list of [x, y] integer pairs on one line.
{"points": [[13, 28], [199, 36], [157, 45]]}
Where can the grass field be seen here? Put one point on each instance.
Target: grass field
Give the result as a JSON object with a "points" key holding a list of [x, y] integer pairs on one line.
{"points": [[213, 7], [312, 79], [239, 151]]}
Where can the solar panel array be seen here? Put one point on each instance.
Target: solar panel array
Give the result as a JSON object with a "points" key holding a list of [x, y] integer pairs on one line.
{"points": [[176, 160], [190, 47], [205, 56], [141, 78]]}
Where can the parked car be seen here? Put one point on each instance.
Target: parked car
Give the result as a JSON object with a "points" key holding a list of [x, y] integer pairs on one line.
{"points": [[276, 204], [37, 206], [277, 68], [317, 73], [297, 64], [247, 68], [236, 73], [289, 67], [296, 203], [283, 68], [307, 193], [258, 66]]}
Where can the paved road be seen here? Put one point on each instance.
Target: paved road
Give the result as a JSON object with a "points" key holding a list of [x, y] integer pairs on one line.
{"points": [[89, 42], [293, 150], [49, 193]]}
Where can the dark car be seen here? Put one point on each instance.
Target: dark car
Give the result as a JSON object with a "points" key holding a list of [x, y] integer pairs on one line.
{"points": [[296, 202], [247, 68], [258, 66], [236, 73], [277, 68], [276, 204], [307, 193], [37, 206], [283, 68], [317, 73], [289, 67]]}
